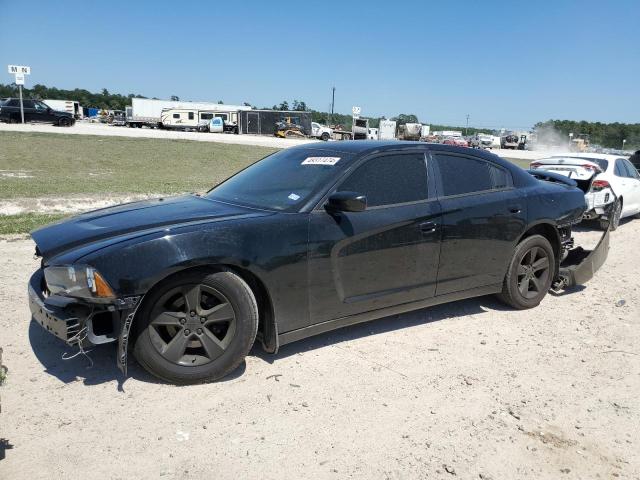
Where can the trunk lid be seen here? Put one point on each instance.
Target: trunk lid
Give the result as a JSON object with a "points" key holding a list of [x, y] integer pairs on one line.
{"points": [[582, 171]]}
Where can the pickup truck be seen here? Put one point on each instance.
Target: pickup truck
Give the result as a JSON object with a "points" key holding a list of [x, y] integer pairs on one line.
{"points": [[34, 111], [321, 132]]}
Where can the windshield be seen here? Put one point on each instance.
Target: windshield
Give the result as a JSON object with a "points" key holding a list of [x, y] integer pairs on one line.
{"points": [[283, 181]]}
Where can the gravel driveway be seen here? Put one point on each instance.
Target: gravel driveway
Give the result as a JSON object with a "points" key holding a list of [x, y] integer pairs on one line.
{"points": [[466, 390]]}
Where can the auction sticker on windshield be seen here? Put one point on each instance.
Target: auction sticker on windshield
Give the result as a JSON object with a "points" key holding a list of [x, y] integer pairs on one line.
{"points": [[320, 161]]}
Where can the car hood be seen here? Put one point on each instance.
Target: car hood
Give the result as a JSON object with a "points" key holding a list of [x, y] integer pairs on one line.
{"points": [[133, 219]]}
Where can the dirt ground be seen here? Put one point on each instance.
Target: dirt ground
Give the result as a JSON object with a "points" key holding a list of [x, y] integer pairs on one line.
{"points": [[466, 390]]}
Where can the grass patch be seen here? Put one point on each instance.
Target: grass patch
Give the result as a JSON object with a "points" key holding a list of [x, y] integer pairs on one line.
{"points": [[25, 222], [520, 162], [41, 164], [48, 164]]}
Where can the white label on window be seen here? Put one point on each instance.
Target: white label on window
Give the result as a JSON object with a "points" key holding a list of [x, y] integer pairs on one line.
{"points": [[320, 161], [294, 197]]}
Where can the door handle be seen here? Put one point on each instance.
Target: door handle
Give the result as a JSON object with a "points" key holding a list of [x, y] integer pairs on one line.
{"points": [[428, 227], [515, 209]]}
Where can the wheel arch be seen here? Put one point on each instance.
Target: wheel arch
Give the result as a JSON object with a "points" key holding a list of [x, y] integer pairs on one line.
{"points": [[267, 327], [550, 232]]}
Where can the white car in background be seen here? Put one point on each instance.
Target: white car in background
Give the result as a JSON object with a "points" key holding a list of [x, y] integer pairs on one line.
{"points": [[604, 179], [321, 132]]}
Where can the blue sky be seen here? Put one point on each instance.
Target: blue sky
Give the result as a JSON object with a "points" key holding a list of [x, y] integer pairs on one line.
{"points": [[504, 63]]}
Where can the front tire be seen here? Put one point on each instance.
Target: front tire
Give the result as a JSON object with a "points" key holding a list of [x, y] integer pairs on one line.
{"points": [[196, 327], [530, 273]]}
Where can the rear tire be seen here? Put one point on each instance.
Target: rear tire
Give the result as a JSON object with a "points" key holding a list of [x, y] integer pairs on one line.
{"points": [[64, 122], [325, 136], [530, 273], [196, 327]]}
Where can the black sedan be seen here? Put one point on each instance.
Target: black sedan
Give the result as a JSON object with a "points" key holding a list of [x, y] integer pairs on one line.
{"points": [[306, 240]]}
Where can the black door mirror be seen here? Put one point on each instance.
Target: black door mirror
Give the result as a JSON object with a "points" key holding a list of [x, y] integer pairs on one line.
{"points": [[347, 202]]}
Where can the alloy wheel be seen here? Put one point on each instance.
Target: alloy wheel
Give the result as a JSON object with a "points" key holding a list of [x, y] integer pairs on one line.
{"points": [[533, 272], [192, 324]]}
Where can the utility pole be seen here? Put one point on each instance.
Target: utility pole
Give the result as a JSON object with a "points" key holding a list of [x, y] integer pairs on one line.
{"points": [[624, 140], [467, 127], [333, 100]]}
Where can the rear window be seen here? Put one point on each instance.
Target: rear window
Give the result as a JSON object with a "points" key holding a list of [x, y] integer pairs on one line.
{"points": [[462, 175]]}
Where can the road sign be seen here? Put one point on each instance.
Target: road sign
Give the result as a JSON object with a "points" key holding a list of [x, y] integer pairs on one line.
{"points": [[14, 69], [19, 71], [356, 111]]}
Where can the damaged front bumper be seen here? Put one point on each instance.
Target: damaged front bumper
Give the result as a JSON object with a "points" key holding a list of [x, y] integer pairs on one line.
{"points": [[79, 323]]}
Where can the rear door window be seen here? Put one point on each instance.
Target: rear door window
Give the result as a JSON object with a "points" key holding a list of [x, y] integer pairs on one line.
{"points": [[461, 175], [620, 170], [499, 177], [630, 169], [390, 179]]}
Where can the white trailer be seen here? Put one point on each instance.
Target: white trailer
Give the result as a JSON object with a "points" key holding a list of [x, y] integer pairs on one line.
{"points": [[147, 111], [188, 119], [387, 130], [69, 106]]}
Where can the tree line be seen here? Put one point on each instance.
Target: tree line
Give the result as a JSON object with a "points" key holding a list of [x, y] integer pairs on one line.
{"points": [[104, 99]]}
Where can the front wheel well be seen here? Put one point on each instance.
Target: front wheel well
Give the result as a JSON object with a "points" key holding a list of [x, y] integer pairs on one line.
{"points": [[267, 330]]}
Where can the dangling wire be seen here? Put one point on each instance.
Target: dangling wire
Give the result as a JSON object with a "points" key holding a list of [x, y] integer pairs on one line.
{"points": [[79, 338]]}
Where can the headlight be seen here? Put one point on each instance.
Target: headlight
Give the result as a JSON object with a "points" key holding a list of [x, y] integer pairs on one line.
{"points": [[80, 281]]}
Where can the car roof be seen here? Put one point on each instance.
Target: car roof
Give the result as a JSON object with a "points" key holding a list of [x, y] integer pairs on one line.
{"points": [[359, 147], [365, 146]]}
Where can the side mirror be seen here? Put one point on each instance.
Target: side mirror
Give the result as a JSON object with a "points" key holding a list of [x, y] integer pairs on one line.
{"points": [[347, 202]]}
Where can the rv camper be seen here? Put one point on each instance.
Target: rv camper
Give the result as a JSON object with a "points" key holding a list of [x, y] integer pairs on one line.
{"points": [[189, 119], [148, 111]]}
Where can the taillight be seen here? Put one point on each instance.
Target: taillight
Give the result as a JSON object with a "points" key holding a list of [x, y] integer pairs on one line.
{"points": [[535, 165], [598, 185]]}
